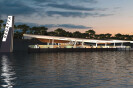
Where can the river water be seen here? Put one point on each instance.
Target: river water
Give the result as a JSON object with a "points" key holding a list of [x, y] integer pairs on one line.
{"points": [[67, 70]]}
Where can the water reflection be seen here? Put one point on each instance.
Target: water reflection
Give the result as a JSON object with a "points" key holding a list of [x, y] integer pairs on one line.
{"points": [[7, 73], [68, 70], [88, 70]]}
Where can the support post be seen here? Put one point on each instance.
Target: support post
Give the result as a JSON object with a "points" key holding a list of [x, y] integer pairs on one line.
{"points": [[105, 45], [82, 43], [114, 44], [75, 43], [96, 45], [52, 43], [58, 45], [48, 42], [122, 45]]}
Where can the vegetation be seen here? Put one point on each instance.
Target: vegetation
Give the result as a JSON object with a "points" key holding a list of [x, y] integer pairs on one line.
{"points": [[41, 30]]}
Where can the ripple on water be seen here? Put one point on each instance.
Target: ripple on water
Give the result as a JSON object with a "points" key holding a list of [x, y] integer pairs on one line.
{"points": [[67, 70]]}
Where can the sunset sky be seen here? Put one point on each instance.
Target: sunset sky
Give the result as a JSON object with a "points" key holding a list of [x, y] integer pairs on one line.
{"points": [[104, 16]]}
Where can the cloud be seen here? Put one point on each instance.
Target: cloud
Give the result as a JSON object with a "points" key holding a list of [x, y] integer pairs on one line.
{"points": [[71, 26], [8, 7], [66, 14], [64, 1], [29, 24], [62, 8], [70, 7], [74, 14]]}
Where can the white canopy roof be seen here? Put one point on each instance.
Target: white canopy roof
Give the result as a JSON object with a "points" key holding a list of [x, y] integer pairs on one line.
{"points": [[74, 39]]}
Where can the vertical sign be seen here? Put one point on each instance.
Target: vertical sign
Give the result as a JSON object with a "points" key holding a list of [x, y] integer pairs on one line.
{"points": [[8, 25]]}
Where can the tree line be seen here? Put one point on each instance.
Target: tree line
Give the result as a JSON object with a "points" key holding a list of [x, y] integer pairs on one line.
{"points": [[41, 30]]}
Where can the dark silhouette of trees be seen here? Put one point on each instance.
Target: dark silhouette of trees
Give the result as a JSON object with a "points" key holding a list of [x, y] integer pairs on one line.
{"points": [[91, 33], [118, 36], [85, 35], [18, 35], [1, 32], [108, 35], [1, 22], [77, 34], [24, 28], [38, 30], [4, 25], [41, 30], [60, 32], [51, 33], [68, 34], [102, 36], [33, 30]]}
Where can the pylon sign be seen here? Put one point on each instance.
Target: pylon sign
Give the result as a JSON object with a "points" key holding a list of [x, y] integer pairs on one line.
{"points": [[7, 40], [8, 25]]}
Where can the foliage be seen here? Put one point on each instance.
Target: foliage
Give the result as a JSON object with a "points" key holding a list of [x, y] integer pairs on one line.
{"points": [[41, 30]]}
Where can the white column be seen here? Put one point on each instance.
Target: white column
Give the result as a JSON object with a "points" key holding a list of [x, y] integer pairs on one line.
{"points": [[114, 44], [52, 43], [58, 45], [48, 42], [105, 45], [82, 43], [121, 44], [75, 43], [96, 45]]}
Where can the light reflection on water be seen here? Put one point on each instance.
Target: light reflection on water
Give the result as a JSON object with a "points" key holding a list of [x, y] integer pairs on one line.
{"points": [[68, 70], [7, 73]]}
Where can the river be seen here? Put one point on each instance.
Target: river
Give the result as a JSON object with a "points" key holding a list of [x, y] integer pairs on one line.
{"points": [[67, 70]]}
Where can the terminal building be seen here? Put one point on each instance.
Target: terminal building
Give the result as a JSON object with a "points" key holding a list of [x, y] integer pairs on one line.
{"points": [[54, 43], [60, 44]]}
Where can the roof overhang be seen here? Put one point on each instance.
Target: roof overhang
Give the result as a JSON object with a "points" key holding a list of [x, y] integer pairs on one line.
{"points": [[29, 36]]}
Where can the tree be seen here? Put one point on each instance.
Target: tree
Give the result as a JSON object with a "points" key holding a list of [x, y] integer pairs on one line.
{"points": [[102, 36], [77, 34], [18, 35], [39, 30], [24, 28], [91, 33], [131, 37], [33, 30], [97, 36], [127, 37], [43, 30], [1, 22], [60, 32], [118, 36], [108, 35], [68, 34], [1, 33], [51, 33], [85, 35], [4, 25], [15, 27]]}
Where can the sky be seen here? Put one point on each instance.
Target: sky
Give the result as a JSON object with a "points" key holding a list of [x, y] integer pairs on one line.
{"points": [[103, 16]]}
